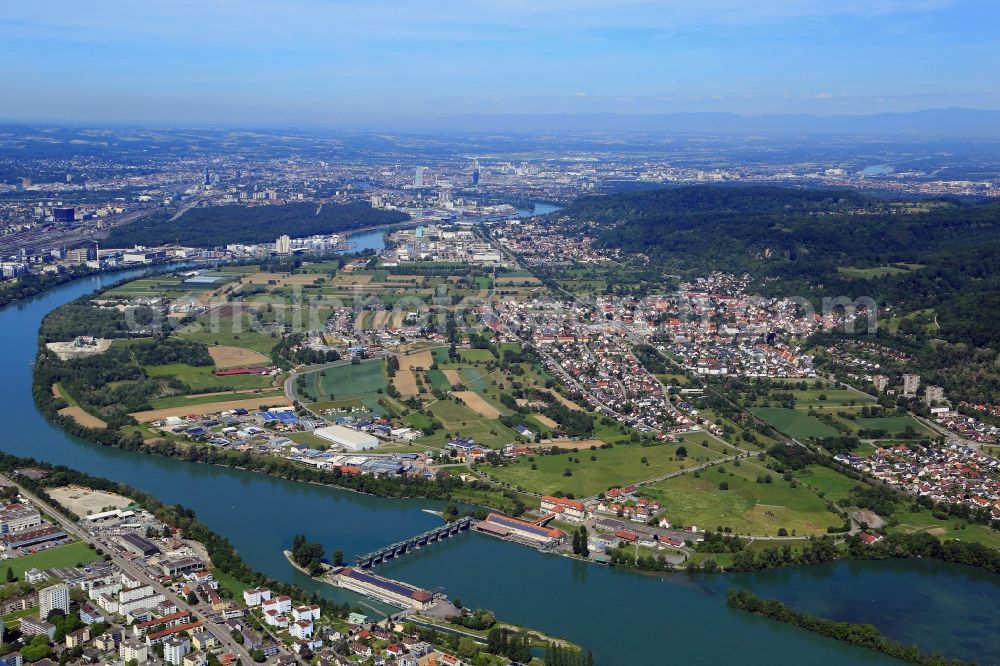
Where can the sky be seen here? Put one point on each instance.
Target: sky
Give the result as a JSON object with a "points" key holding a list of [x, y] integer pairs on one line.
{"points": [[350, 62]]}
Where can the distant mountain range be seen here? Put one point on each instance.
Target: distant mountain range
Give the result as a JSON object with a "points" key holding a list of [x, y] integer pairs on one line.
{"points": [[951, 122]]}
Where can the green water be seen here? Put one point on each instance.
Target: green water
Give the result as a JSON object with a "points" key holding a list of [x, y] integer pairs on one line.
{"points": [[625, 618]]}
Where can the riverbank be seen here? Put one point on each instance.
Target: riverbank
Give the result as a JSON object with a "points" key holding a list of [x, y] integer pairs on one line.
{"points": [[939, 606], [815, 551], [864, 635]]}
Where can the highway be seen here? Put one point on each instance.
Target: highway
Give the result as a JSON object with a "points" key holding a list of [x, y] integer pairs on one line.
{"points": [[129, 567]]}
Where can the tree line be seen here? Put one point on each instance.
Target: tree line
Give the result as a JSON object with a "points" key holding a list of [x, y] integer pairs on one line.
{"points": [[863, 635]]}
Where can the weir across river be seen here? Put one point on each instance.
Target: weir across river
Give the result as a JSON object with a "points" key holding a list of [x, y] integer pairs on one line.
{"points": [[401, 548]]}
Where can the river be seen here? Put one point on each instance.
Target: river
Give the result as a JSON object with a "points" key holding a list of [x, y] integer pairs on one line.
{"points": [[624, 617]]}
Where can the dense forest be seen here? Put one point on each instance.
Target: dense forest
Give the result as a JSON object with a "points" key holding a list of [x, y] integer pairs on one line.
{"points": [[83, 318], [937, 255], [213, 226]]}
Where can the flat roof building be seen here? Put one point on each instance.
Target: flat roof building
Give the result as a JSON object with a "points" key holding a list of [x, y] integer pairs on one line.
{"points": [[138, 545], [349, 438]]}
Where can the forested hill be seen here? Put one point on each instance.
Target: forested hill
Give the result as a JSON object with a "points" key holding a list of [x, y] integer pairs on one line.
{"points": [[213, 226], [931, 255]]}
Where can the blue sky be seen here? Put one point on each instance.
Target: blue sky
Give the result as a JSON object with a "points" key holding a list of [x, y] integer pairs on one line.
{"points": [[349, 61]]}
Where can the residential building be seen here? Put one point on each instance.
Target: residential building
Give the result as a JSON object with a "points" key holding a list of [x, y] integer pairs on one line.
{"points": [[880, 382], [572, 510], [54, 597], [133, 648], [175, 649]]}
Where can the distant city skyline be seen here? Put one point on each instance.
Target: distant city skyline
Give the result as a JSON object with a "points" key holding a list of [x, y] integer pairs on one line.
{"points": [[384, 62]]}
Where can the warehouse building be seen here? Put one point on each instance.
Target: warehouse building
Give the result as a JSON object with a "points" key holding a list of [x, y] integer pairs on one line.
{"points": [[138, 545], [348, 438], [35, 537]]}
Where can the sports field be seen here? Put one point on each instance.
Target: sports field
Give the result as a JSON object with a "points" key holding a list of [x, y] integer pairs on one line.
{"points": [[794, 423], [62, 556]]}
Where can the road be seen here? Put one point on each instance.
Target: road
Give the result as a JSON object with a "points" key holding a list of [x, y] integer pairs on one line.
{"points": [[129, 567]]}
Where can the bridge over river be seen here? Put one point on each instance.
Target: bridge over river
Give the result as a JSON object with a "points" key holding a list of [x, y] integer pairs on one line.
{"points": [[401, 548]]}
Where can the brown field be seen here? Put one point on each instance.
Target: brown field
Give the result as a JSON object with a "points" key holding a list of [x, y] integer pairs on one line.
{"points": [[452, 376], [405, 382], [380, 318], [55, 391], [82, 417], [475, 402], [229, 310], [351, 280], [282, 279], [397, 319], [514, 281], [233, 357], [545, 421], [566, 402], [208, 408], [564, 443], [422, 359], [84, 501]]}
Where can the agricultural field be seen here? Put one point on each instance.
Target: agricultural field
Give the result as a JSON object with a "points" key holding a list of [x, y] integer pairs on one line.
{"points": [[950, 528], [794, 422], [460, 420], [350, 379], [894, 425], [747, 506], [84, 418], [831, 483], [210, 398], [594, 471], [831, 398], [200, 378], [229, 331], [257, 402], [234, 357]]}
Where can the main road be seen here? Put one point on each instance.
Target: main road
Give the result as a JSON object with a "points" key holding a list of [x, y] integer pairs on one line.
{"points": [[129, 567]]}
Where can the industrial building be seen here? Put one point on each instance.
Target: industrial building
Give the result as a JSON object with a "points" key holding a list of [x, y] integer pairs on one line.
{"points": [[389, 591], [512, 528], [138, 545], [348, 438], [34, 537]]}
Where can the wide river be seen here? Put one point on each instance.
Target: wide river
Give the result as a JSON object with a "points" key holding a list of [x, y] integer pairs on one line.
{"points": [[624, 617]]}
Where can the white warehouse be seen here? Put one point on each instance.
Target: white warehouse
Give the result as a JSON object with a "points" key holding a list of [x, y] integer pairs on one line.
{"points": [[349, 438]]}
